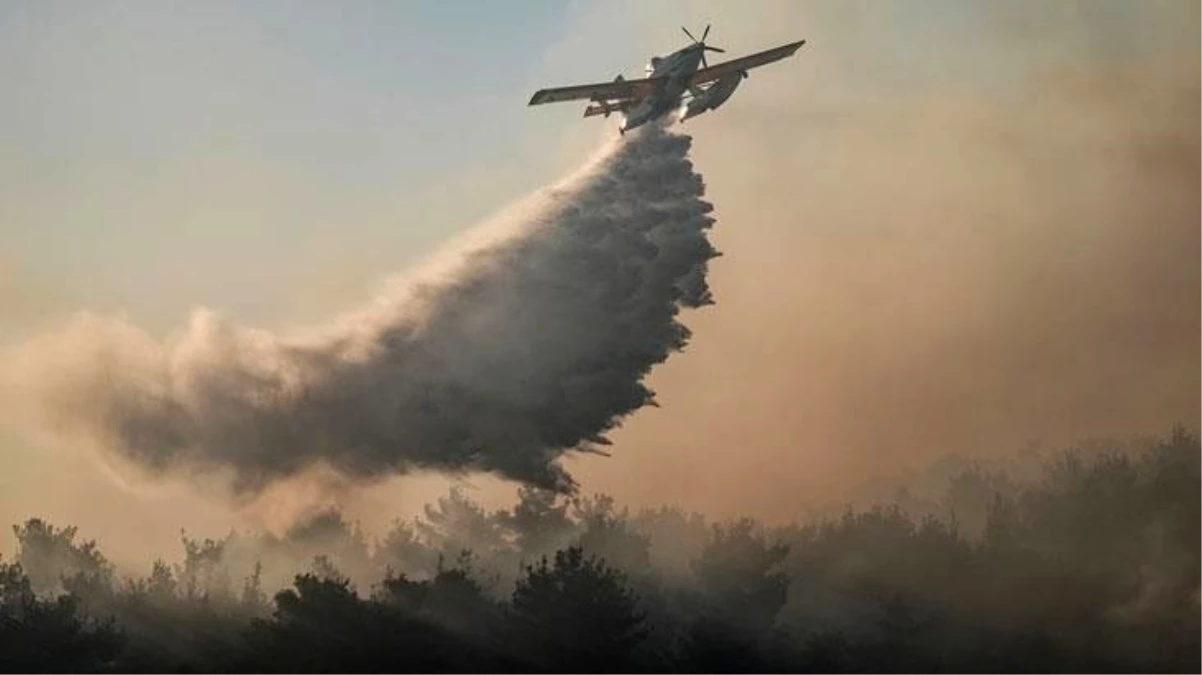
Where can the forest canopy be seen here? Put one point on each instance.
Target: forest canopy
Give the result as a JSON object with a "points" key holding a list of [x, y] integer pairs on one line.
{"points": [[1080, 560]]}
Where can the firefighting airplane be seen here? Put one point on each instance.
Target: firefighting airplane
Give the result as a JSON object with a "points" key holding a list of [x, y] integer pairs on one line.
{"points": [[673, 82]]}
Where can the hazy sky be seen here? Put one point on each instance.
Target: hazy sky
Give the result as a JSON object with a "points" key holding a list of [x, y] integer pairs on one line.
{"points": [[271, 160], [946, 224], [148, 144]]}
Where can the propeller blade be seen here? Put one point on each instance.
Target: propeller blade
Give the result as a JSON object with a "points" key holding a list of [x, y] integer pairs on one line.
{"points": [[686, 32], [703, 63], [714, 49], [706, 33]]}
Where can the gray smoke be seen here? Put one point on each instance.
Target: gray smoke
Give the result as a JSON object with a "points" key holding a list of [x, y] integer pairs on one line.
{"points": [[531, 345]]}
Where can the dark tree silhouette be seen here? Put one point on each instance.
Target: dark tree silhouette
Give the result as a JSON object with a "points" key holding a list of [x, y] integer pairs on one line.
{"points": [[578, 614], [455, 602], [742, 589], [48, 635], [322, 625]]}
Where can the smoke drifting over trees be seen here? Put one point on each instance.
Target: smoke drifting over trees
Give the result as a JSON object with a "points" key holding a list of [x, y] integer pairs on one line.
{"points": [[1090, 563], [529, 345]]}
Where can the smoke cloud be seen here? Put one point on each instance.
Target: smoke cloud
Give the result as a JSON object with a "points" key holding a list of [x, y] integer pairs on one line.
{"points": [[526, 344]]}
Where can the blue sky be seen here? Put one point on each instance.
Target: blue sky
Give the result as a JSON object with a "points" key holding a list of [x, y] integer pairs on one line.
{"points": [[302, 81], [145, 144]]}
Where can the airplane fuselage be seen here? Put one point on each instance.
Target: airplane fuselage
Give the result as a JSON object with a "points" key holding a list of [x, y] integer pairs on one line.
{"points": [[678, 67], [682, 81]]}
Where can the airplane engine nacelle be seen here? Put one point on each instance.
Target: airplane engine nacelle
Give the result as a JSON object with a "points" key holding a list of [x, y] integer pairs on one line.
{"points": [[723, 88], [715, 95]]}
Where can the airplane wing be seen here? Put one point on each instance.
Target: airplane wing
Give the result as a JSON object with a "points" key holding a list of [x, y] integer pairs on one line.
{"points": [[746, 63], [604, 91]]}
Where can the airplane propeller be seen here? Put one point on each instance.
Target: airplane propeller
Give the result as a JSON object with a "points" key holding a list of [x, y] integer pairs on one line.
{"points": [[704, 47]]}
